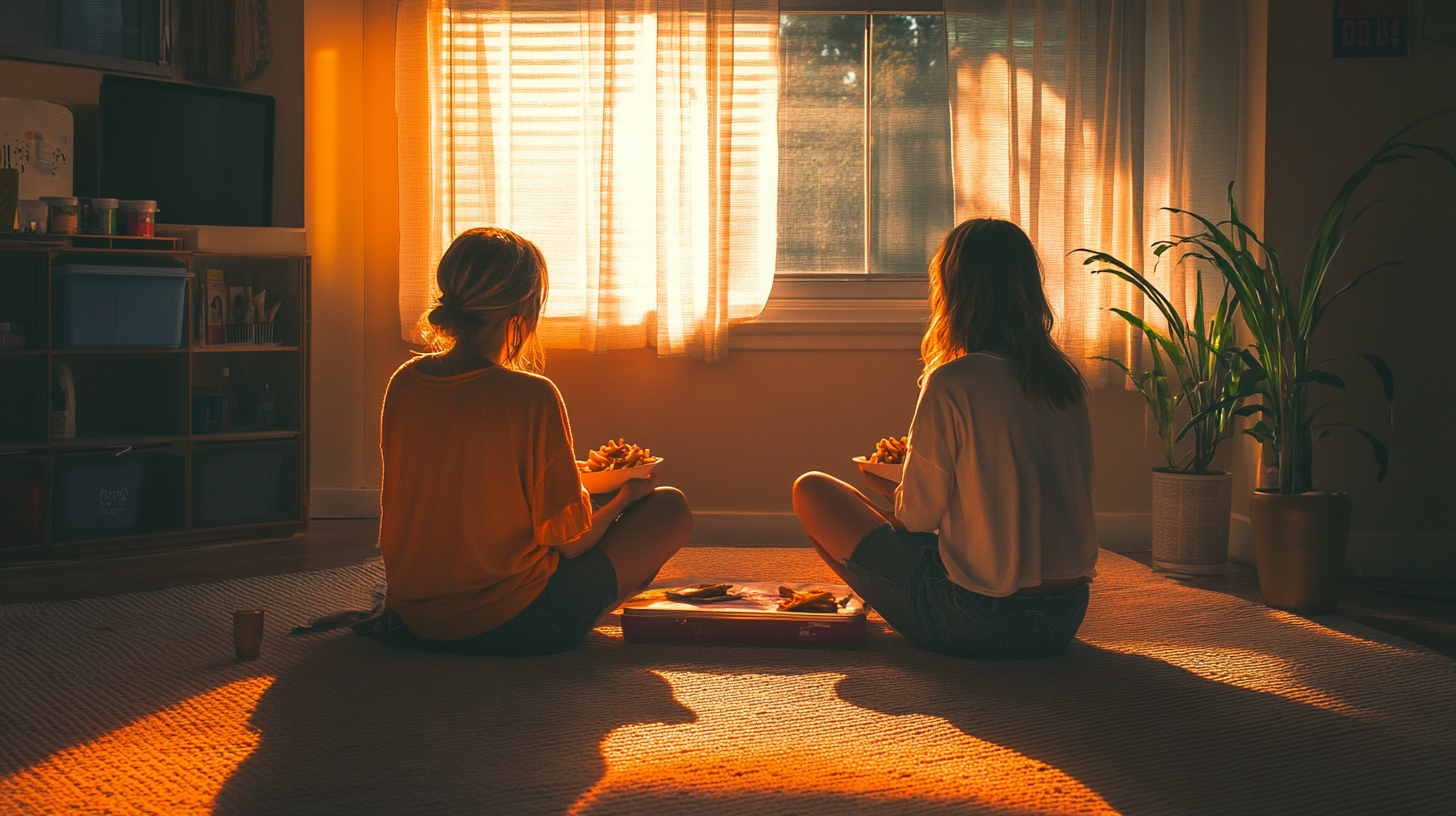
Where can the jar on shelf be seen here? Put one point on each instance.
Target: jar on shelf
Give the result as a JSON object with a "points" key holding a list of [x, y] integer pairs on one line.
{"points": [[64, 216], [105, 217], [141, 218], [34, 214]]}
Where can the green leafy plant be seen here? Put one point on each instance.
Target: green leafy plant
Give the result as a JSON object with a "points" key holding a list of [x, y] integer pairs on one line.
{"points": [[1282, 321], [1203, 371]]}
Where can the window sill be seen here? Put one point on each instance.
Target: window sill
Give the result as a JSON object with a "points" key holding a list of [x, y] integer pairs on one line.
{"points": [[835, 324]]}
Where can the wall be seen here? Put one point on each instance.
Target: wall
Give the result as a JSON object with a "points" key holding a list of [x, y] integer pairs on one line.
{"points": [[1325, 117], [1243, 451], [735, 433], [283, 79]]}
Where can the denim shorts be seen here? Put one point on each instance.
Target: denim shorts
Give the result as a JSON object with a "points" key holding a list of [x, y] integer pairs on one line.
{"points": [[901, 575], [575, 596]]}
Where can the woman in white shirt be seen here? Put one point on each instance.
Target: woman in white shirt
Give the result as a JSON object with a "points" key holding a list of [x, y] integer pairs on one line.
{"points": [[991, 544]]}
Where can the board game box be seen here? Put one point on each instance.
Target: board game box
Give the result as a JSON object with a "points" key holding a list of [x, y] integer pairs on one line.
{"points": [[750, 616]]}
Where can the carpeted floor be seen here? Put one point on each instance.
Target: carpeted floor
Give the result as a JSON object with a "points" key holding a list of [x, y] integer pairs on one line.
{"points": [[1173, 700]]}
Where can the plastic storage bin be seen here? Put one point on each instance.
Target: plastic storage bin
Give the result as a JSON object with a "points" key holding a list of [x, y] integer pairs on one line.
{"points": [[20, 511], [119, 306], [236, 485], [97, 496]]}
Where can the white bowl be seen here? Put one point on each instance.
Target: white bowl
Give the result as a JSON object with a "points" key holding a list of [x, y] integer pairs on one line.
{"points": [[610, 481], [894, 473]]}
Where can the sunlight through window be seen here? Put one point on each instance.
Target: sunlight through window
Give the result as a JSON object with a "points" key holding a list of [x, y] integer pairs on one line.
{"points": [[175, 761]]}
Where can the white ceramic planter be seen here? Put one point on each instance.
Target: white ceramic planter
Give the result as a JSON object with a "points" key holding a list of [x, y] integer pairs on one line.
{"points": [[1191, 521]]}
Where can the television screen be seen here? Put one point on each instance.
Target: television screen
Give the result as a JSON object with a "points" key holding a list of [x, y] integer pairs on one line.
{"points": [[204, 155]]}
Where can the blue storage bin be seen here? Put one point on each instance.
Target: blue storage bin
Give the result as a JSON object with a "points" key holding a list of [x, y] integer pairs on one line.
{"points": [[99, 306], [98, 496], [236, 485]]}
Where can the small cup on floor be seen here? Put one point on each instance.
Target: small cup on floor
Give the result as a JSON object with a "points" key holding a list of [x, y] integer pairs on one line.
{"points": [[248, 633]]}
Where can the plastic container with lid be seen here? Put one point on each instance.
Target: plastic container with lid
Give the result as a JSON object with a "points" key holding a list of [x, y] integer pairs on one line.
{"points": [[113, 306], [141, 218], [33, 214], [64, 217], [239, 484], [105, 217], [97, 496]]}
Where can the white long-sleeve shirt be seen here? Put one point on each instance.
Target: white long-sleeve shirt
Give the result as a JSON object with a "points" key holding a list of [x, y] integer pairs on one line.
{"points": [[1008, 484]]}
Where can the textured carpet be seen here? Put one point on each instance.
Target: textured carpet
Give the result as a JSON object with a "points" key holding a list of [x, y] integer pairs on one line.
{"points": [[1173, 700]]}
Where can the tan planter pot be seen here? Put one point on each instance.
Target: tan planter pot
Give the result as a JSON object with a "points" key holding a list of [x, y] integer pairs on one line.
{"points": [[1300, 543], [1191, 521]]}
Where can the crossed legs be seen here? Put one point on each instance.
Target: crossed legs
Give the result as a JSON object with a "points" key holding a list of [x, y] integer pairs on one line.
{"points": [[835, 515], [641, 540]]}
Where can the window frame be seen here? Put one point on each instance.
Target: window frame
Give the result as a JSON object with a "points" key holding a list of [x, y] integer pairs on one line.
{"points": [[101, 62], [857, 311]]}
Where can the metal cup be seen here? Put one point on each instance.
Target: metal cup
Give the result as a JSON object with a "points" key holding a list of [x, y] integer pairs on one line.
{"points": [[248, 633]]}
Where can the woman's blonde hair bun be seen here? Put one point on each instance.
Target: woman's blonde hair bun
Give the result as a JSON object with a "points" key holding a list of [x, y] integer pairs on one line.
{"points": [[494, 279]]}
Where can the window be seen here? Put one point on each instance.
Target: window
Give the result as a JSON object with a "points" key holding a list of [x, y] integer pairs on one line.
{"points": [[119, 35], [864, 145], [635, 147]]}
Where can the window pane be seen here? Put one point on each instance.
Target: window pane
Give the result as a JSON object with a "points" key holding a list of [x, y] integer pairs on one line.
{"points": [[910, 183], [110, 28], [821, 143]]}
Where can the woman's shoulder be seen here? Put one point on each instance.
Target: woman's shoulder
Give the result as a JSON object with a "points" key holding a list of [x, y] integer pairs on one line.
{"points": [[425, 371], [538, 385], [972, 369]]}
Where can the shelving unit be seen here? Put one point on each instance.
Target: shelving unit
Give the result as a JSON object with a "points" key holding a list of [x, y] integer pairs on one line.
{"points": [[151, 467]]}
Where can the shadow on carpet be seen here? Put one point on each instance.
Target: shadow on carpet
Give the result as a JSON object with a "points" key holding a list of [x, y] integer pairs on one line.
{"points": [[1173, 700]]}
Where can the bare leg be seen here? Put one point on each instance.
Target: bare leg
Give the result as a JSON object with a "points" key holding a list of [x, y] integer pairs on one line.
{"points": [[835, 515], [641, 540], [834, 563]]}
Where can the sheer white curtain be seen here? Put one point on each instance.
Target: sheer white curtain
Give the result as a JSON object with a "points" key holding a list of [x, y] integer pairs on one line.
{"points": [[634, 141], [1080, 120]]}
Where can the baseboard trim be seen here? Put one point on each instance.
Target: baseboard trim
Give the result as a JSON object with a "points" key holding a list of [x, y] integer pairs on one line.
{"points": [[1425, 556], [1119, 532], [1241, 539], [1430, 556], [1125, 532], [343, 503], [731, 528]]}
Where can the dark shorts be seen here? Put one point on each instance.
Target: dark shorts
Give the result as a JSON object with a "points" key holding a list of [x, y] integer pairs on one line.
{"points": [[577, 594], [902, 576]]}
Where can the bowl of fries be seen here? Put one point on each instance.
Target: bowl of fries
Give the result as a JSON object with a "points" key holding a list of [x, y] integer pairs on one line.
{"points": [[612, 465], [888, 460]]}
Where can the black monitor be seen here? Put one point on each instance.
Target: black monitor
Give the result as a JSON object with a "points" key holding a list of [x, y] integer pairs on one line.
{"points": [[204, 155]]}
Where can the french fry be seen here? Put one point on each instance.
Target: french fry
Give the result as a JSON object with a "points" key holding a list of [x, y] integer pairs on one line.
{"points": [[616, 455], [702, 593], [891, 451], [814, 600]]}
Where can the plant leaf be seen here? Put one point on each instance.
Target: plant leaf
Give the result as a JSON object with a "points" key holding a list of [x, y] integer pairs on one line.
{"points": [[1381, 453], [1117, 363], [1377, 449], [1320, 309], [1387, 379], [1261, 432], [1321, 377]]}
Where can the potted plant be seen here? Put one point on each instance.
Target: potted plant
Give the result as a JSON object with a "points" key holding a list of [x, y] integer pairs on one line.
{"points": [[1200, 380], [1300, 533]]}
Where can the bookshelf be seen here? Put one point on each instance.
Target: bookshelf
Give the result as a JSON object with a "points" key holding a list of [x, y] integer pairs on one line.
{"points": [[172, 447]]}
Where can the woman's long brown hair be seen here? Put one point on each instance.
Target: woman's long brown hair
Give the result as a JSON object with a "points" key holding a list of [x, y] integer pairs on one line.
{"points": [[986, 295]]}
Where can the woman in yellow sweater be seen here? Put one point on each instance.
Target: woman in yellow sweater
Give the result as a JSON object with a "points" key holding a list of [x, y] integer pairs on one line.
{"points": [[490, 544]]}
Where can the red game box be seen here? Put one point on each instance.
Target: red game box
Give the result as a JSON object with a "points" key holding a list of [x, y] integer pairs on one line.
{"points": [[752, 619]]}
